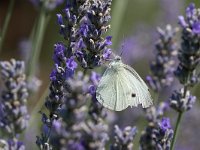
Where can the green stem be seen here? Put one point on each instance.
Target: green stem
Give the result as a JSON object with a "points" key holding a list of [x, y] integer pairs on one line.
{"points": [[176, 129], [37, 43], [6, 23], [178, 121], [119, 9]]}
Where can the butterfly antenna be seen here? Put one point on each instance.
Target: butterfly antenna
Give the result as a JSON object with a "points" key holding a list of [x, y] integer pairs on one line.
{"points": [[122, 47]]}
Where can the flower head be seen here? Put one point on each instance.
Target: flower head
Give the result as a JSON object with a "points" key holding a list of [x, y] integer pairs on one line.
{"points": [[182, 100], [190, 47], [165, 124], [124, 138], [14, 117], [163, 66], [157, 136]]}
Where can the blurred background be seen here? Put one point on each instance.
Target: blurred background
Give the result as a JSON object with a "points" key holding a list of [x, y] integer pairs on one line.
{"points": [[133, 27]]}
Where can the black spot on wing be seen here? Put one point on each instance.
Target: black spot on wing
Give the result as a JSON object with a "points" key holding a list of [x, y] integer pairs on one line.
{"points": [[133, 95]]}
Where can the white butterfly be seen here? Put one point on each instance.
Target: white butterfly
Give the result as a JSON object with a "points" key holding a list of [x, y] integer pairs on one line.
{"points": [[121, 86]]}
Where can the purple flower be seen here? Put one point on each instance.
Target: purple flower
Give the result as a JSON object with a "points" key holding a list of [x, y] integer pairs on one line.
{"points": [[162, 68], [92, 89], [165, 124], [71, 64], [157, 136], [190, 47], [84, 29], [154, 114], [124, 138], [106, 54], [95, 77], [11, 144], [59, 19], [182, 21], [182, 100], [14, 96], [190, 10], [75, 146], [59, 53], [196, 27], [108, 40], [83, 32]]}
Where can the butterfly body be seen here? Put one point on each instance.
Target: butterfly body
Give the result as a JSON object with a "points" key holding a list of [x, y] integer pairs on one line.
{"points": [[121, 86]]}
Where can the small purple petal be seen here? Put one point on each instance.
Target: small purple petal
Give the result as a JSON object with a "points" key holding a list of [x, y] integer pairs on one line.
{"points": [[196, 27], [165, 124], [182, 21], [71, 64], [59, 19], [108, 40], [106, 54]]}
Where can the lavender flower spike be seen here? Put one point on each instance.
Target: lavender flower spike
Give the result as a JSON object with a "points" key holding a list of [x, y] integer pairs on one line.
{"points": [[162, 67], [190, 47], [182, 102], [14, 116], [123, 138], [157, 136]]}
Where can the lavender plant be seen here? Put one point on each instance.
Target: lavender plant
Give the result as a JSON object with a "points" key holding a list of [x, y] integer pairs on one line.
{"points": [[163, 66], [13, 110], [124, 138], [157, 135], [73, 118], [86, 21], [45, 7], [186, 71], [3, 30]]}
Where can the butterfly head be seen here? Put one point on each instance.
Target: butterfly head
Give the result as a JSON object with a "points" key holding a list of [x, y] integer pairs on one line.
{"points": [[117, 58], [116, 63]]}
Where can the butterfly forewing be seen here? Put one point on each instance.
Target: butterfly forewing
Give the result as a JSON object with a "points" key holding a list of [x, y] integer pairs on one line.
{"points": [[122, 88]]}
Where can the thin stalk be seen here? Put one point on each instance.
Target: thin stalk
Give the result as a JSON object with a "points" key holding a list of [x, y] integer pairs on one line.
{"points": [[6, 23], [178, 122], [119, 10], [180, 115], [37, 43]]}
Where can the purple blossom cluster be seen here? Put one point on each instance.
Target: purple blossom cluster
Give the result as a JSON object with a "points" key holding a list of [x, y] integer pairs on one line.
{"points": [[13, 110], [157, 136], [158, 133], [124, 138], [72, 118], [162, 67], [84, 23], [190, 47], [82, 27]]}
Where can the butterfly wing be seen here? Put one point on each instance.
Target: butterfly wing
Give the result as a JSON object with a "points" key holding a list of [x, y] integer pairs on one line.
{"points": [[114, 90], [137, 84], [118, 90], [106, 90]]}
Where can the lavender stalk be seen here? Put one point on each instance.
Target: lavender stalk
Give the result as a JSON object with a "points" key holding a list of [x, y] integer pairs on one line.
{"points": [[45, 7], [189, 58], [86, 22], [6, 23], [13, 110]]}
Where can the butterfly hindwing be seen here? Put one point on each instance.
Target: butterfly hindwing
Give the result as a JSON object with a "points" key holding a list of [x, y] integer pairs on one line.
{"points": [[142, 90], [105, 92]]}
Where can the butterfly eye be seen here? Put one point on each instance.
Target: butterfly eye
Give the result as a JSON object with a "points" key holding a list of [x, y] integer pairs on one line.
{"points": [[133, 95]]}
